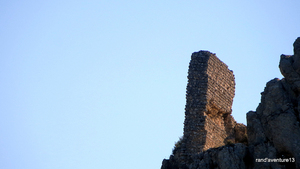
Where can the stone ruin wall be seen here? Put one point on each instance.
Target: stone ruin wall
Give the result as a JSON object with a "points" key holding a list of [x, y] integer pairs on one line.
{"points": [[273, 131], [208, 121], [210, 93], [221, 85], [220, 93]]}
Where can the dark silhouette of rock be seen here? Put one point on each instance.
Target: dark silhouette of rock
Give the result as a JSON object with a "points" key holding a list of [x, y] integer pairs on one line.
{"points": [[213, 139]]}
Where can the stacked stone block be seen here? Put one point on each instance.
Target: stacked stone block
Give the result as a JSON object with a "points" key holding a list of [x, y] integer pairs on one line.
{"points": [[209, 98]]}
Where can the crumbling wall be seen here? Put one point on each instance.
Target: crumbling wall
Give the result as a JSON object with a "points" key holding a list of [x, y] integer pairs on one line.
{"points": [[210, 93], [273, 131], [220, 93], [221, 85], [208, 121]]}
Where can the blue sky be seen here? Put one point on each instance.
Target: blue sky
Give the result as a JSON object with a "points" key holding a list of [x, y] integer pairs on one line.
{"points": [[101, 84]]}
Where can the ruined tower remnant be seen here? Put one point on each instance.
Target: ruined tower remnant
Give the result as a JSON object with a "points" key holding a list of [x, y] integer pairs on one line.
{"points": [[272, 137], [209, 98], [208, 121]]}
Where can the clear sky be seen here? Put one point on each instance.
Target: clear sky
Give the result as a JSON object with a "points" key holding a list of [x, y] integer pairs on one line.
{"points": [[101, 84]]}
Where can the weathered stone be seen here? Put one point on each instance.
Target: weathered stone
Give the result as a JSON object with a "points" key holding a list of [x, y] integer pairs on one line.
{"points": [[208, 121], [273, 130], [210, 92], [212, 138], [227, 157], [297, 46], [240, 131]]}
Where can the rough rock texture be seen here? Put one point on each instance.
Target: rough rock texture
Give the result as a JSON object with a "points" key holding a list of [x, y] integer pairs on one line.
{"points": [[208, 121], [212, 138], [210, 92], [225, 157], [274, 130]]}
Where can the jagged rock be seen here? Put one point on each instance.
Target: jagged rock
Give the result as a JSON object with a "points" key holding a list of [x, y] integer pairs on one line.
{"points": [[233, 156], [240, 131], [297, 46], [271, 138], [290, 67], [273, 130]]}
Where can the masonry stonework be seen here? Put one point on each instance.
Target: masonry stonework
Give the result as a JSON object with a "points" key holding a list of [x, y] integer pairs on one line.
{"points": [[272, 137], [208, 121], [209, 97]]}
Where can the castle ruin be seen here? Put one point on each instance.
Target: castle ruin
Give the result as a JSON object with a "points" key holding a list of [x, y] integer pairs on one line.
{"points": [[213, 139], [209, 96]]}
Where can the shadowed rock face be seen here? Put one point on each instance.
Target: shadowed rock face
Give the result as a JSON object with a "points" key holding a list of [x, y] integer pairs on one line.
{"points": [[297, 46], [273, 130]]}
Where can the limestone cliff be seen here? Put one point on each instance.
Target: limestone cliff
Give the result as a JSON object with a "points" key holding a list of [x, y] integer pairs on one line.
{"points": [[213, 139]]}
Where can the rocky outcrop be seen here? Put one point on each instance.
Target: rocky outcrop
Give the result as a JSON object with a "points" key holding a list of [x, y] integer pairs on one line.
{"points": [[273, 129], [225, 157], [212, 138]]}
